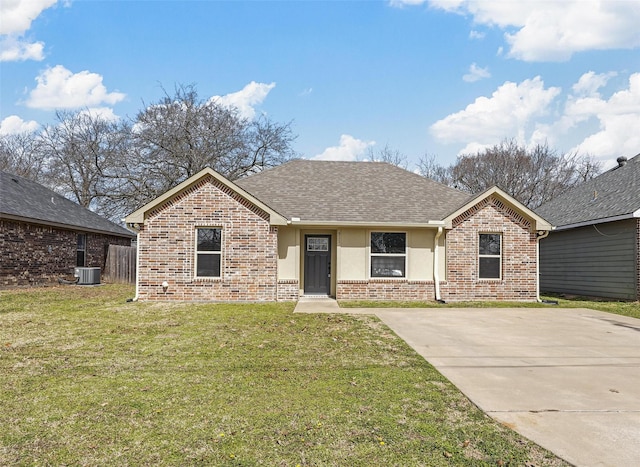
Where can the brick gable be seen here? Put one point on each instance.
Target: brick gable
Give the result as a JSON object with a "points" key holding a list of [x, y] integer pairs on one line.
{"points": [[519, 250], [167, 247]]}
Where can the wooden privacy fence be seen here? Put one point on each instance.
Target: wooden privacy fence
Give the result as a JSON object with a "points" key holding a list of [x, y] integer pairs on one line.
{"points": [[120, 265]]}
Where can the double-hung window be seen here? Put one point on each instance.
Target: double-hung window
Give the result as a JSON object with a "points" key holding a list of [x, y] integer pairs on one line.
{"points": [[81, 250], [388, 254], [490, 256], [208, 252]]}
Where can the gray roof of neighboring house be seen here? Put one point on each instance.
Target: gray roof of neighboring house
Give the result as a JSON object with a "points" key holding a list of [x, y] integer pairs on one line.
{"points": [[359, 192], [29, 201], [615, 193]]}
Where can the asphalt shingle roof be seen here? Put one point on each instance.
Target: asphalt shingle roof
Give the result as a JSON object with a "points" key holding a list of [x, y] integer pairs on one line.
{"points": [[23, 198], [613, 193], [359, 192]]}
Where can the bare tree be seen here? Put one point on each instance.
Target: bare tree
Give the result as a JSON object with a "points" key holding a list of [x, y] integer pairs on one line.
{"points": [[388, 155], [532, 176], [181, 134], [21, 154], [83, 151], [429, 168]]}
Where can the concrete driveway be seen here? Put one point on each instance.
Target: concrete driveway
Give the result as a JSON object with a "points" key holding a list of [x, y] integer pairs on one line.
{"points": [[568, 379]]}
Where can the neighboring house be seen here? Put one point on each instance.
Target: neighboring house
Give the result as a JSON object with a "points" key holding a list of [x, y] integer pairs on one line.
{"points": [[350, 230], [595, 247], [44, 236]]}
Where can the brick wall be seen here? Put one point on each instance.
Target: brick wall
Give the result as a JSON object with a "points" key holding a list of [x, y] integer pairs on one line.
{"points": [[37, 255], [385, 289], [519, 274], [167, 247], [288, 290]]}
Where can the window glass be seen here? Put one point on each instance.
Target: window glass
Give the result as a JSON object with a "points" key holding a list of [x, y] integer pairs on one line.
{"points": [[209, 239], [387, 266], [208, 265], [490, 244], [388, 242], [388, 254], [208, 252], [81, 250]]}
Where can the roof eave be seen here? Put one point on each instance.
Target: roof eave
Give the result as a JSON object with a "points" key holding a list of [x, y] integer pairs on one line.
{"points": [[59, 225], [621, 217]]}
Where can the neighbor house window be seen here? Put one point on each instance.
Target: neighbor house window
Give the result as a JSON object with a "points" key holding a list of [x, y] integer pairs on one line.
{"points": [[489, 256], [81, 250], [388, 254], [208, 252]]}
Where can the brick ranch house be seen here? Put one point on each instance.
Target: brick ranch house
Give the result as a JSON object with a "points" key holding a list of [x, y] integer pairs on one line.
{"points": [[44, 236], [349, 230]]}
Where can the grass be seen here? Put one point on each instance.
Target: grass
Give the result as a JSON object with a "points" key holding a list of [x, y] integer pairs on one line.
{"points": [[87, 379], [625, 308]]}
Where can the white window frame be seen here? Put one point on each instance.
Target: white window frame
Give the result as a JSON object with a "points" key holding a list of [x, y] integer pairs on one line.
{"points": [[498, 256], [389, 255], [198, 252]]}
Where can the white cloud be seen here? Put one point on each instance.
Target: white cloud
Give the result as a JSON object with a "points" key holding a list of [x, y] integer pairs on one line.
{"points": [[590, 83], [507, 113], [522, 111], [17, 16], [103, 113], [349, 149], [403, 3], [59, 88], [554, 30], [13, 49], [476, 73], [245, 100], [473, 34], [618, 117], [15, 125]]}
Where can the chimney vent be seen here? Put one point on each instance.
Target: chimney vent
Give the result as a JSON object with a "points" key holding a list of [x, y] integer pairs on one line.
{"points": [[622, 161]]}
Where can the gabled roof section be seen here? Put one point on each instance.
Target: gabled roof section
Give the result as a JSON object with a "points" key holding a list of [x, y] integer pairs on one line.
{"points": [[27, 201], [139, 216], [612, 195], [537, 222], [352, 193]]}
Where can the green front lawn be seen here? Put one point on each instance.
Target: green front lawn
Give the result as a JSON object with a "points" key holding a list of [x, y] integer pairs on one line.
{"points": [[88, 379]]}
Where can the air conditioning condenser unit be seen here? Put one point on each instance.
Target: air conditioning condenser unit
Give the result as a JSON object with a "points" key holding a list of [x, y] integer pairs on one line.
{"points": [[87, 276]]}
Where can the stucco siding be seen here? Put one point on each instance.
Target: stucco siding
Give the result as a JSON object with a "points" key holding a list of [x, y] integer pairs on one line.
{"points": [[595, 260], [352, 254], [288, 253]]}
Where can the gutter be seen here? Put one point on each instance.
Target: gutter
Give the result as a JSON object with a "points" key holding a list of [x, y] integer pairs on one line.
{"points": [[398, 225], [539, 237], [136, 227], [602, 220], [436, 272]]}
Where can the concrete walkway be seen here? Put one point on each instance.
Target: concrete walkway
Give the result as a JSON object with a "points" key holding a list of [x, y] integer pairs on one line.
{"points": [[568, 379]]}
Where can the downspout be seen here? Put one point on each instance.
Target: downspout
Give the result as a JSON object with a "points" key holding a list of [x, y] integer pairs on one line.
{"points": [[538, 238], [137, 229], [436, 265]]}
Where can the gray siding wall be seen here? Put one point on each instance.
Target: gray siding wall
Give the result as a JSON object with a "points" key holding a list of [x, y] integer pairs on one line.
{"points": [[594, 260]]}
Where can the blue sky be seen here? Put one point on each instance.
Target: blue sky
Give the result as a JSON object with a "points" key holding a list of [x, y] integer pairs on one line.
{"points": [[423, 77]]}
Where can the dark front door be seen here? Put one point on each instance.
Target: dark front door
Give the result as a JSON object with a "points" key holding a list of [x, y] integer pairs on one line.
{"points": [[317, 264]]}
